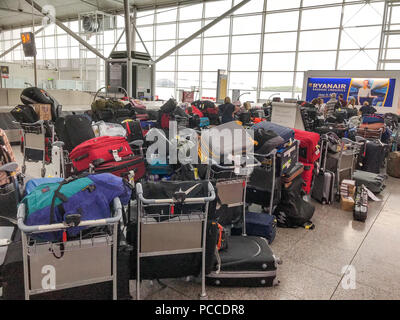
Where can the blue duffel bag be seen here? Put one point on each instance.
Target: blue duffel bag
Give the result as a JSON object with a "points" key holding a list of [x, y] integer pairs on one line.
{"points": [[33, 183], [90, 197], [285, 133]]}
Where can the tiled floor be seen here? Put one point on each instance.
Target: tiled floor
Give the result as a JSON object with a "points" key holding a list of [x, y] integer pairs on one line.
{"points": [[314, 260]]}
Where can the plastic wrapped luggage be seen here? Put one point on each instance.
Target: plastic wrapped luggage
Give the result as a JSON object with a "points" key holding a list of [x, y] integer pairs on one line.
{"points": [[266, 141], [309, 149], [248, 262], [374, 182], [102, 128], [101, 149], [24, 114], [286, 133], [215, 144], [74, 130]]}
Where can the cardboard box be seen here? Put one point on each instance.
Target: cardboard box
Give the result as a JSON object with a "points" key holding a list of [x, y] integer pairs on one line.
{"points": [[43, 111], [347, 203]]}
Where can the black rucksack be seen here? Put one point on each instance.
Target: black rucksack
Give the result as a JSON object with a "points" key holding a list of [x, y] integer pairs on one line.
{"points": [[34, 95], [24, 114], [169, 106], [73, 130]]}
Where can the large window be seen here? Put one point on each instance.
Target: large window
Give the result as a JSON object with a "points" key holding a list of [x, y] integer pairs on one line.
{"points": [[266, 45]]}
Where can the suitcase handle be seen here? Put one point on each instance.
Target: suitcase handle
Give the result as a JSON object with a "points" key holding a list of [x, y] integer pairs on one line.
{"points": [[84, 156]]}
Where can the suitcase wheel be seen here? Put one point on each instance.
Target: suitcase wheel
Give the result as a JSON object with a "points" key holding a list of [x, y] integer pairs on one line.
{"points": [[43, 172]]}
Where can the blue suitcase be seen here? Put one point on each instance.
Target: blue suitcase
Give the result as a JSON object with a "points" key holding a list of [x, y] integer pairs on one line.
{"points": [[261, 225], [284, 132]]}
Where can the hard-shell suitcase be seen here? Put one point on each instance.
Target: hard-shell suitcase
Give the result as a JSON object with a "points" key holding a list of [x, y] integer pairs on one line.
{"points": [[287, 158], [286, 133], [296, 171], [308, 177], [261, 224], [101, 149], [373, 157], [309, 151], [24, 114], [324, 187], [393, 164], [248, 262], [374, 182], [74, 130]]}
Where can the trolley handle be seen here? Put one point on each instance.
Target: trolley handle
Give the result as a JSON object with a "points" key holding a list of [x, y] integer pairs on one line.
{"points": [[57, 226], [242, 166], [39, 122], [139, 192]]}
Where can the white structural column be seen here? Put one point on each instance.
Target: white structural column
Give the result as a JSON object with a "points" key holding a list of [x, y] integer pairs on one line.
{"points": [[128, 47], [297, 48], [340, 35], [262, 45]]}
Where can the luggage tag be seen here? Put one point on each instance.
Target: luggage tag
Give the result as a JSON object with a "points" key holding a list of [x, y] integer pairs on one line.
{"points": [[116, 156]]}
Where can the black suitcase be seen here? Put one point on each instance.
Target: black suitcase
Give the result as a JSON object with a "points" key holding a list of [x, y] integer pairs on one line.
{"points": [[248, 262], [373, 157], [73, 130], [24, 114], [13, 278], [286, 159], [133, 130]]}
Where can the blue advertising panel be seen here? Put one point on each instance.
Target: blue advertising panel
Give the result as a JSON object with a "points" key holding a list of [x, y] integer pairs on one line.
{"points": [[378, 92]]}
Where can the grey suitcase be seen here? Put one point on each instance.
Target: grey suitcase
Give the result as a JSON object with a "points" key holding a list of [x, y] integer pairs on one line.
{"points": [[324, 187], [374, 182]]}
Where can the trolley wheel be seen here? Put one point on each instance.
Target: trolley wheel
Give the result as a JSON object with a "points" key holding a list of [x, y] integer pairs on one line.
{"points": [[42, 172], [324, 202], [23, 169]]}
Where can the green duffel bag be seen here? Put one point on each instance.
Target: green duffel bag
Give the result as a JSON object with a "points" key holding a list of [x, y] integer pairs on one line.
{"points": [[374, 182], [99, 104], [393, 164], [113, 104]]}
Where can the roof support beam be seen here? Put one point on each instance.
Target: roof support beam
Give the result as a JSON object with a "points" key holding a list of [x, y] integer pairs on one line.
{"points": [[69, 31], [205, 28]]}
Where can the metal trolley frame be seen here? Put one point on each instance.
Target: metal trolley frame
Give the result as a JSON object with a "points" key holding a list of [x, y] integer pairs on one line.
{"points": [[228, 175], [74, 263], [156, 235], [35, 138]]}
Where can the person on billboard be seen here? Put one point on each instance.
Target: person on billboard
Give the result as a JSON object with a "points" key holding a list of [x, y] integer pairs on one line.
{"points": [[367, 109], [227, 110], [364, 93], [352, 104]]}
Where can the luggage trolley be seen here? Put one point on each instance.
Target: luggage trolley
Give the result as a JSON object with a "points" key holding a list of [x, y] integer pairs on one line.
{"points": [[86, 260], [343, 161], [157, 233], [34, 138], [231, 182]]}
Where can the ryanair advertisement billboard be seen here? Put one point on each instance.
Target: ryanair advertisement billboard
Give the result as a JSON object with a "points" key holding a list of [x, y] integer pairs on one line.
{"points": [[378, 92]]}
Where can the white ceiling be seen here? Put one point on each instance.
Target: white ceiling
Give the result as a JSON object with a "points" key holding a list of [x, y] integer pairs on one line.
{"points": [[17, 13]]}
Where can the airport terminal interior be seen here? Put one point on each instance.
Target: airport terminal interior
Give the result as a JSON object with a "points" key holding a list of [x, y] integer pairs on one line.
{"points": [[202, 149]]}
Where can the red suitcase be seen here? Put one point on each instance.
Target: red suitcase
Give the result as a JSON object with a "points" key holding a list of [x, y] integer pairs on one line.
{"points": [[124, 167], [309, 151], [100, 148], [307, 176]]}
